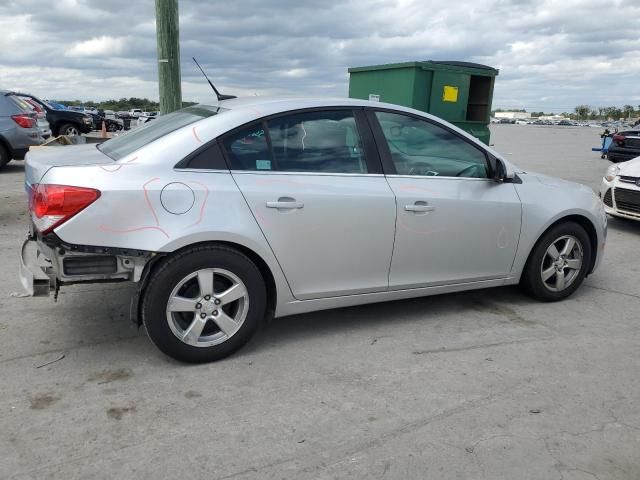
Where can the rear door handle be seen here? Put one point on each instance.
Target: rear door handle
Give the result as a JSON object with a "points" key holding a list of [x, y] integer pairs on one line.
{"points": [[286, 203], [419, 207]]}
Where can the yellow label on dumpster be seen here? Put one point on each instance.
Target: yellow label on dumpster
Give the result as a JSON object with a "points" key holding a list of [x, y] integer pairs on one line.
{"points": [[449, 94]]}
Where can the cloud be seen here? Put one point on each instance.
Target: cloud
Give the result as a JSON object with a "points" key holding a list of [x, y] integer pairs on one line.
{"points": [[551, 55], [97, 47]]}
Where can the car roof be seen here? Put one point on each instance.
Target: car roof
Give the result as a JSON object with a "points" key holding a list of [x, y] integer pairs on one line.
{"points": [[293, 103]]}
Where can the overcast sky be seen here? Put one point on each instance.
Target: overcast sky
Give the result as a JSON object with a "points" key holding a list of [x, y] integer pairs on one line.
{"points": [[552, 55]]}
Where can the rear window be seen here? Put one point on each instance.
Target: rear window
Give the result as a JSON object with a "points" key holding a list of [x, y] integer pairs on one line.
{"points": [[22, 105], [121, 146]]}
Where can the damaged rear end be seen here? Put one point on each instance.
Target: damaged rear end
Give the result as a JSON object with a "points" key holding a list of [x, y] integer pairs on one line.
{"points": [[46, 261]]}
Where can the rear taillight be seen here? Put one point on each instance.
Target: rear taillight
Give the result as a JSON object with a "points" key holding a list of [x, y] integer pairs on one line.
{"points": [[619, 139], [52, 205], [25, 121]]}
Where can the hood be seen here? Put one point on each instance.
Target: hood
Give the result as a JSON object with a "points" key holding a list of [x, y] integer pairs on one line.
{"points": [[40, 159], [630, 168]]}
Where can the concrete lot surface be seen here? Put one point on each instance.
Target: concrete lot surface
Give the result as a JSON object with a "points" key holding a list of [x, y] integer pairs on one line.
{"points": [[482, 385]]}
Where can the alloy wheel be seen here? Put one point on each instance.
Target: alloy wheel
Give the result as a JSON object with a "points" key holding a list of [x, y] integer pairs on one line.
{"points": [[561, 263], [207, 307]]}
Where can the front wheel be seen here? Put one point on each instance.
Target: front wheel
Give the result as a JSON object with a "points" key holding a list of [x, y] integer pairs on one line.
{"points": [[204, 303], [558, 263]]}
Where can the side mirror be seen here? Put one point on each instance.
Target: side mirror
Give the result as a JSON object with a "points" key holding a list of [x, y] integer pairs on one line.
{"points": [[498, 170]]}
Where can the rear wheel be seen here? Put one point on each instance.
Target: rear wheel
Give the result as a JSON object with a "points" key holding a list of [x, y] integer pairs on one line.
{"points": [[558, 263], [204, 303], [4, 156]]}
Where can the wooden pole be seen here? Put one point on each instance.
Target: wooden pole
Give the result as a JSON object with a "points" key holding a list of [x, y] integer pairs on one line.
{"points": [[168, 55]]}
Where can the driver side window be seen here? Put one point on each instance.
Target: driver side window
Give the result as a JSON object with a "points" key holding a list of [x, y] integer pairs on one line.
{"points": [[419, 147]]}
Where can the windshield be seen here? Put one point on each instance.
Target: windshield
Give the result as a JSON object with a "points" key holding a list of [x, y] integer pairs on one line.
{"points": [[121, 146]]}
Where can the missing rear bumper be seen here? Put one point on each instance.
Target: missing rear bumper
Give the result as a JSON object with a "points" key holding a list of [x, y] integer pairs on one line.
{"points": [[45, 265], [35, 273]]}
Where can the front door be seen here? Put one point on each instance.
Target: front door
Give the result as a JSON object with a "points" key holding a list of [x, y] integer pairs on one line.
{"points": [[453, 223], [323, 205]]}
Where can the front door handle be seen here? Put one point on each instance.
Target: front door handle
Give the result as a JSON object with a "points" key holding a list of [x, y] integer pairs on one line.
{"points": [[286, 203], [419, 207]]}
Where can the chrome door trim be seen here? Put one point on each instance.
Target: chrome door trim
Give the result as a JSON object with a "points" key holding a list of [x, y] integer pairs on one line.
{"points": [[429, 177], [315, 174]]}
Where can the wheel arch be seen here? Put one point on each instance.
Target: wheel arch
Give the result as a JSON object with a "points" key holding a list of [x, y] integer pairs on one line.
{"points": [[261, 264], [585, 223]]}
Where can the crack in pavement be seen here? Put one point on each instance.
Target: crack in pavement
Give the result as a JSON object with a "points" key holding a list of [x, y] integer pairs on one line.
{"points": [[482, 346], [633, 295], [67, 349]]}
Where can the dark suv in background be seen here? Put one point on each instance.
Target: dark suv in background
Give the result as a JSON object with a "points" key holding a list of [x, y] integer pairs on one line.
{"points": [[63, 122], [18, 128], [624, 146]]}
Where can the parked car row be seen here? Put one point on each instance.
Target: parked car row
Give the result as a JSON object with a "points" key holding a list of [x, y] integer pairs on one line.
{"points": [[62, 122], [28, 112], [20, 127], [561, 123]]}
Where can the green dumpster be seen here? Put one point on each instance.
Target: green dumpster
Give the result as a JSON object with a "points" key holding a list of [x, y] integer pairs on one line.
{"points": [[459, 92]]}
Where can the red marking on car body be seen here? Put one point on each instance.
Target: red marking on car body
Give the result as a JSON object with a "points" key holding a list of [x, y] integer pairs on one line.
{"points": [[106, 228], [118, 167], [204, 202], [146, 197], [196, 135]]}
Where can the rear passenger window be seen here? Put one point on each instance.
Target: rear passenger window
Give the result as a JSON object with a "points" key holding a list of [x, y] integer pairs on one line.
{"points": [[317, 142], [248, 149], [323, 142]]}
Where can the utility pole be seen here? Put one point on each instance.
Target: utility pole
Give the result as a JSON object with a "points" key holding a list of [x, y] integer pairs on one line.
{"points": [[168, 55]]}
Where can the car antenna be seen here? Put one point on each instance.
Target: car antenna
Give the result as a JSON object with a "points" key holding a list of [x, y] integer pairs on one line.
{"points": [[218, 94]]}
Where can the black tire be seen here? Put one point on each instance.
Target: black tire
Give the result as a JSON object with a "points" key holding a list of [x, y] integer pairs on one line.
{"points": [[531, 281], [4, 156], [172, 271], [112, 127], [66, 127]]}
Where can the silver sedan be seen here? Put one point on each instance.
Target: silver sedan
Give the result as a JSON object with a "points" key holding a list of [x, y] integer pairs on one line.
{"points": [[230, 214]]}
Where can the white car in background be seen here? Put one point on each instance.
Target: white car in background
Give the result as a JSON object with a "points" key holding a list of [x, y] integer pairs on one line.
{"points": [[146, 117], [620, 189]]}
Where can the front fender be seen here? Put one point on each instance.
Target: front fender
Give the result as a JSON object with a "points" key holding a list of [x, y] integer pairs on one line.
{"points": [[545, 204]]}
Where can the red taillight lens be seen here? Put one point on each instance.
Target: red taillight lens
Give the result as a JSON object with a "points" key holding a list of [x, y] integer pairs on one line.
{"points": [[619, 139], [25, 121], [52, 205]]}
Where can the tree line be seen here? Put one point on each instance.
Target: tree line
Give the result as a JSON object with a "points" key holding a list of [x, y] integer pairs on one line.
{"points": [[587, 112], [122, 104]]}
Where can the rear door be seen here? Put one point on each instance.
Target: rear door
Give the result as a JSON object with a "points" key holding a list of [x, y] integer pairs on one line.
{"points": [[314, 183]]}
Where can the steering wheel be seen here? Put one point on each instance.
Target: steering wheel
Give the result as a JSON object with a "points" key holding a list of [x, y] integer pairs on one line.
{"points": [[420, 168], [469, 171]]}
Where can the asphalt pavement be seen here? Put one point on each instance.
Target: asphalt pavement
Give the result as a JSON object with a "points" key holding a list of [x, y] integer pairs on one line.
{"points": [[482, 385]]}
